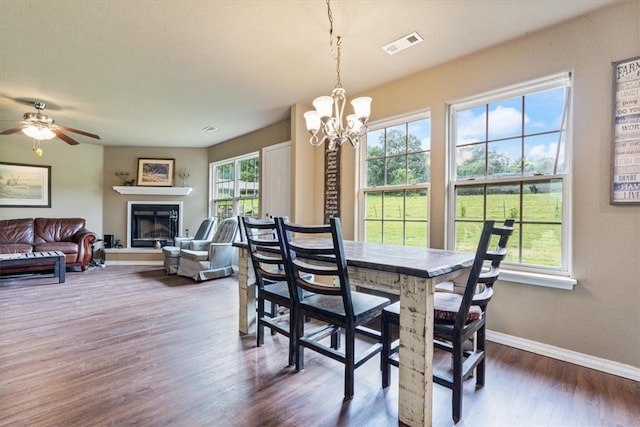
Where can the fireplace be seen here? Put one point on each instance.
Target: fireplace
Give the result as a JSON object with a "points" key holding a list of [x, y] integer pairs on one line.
{"points": [[151, 222]]}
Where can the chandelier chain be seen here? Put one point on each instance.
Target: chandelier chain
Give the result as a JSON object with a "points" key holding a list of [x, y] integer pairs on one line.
{"points": [[335, 53]]}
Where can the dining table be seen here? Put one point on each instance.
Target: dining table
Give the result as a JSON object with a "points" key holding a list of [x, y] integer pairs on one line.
{"points": [[409, 272]]}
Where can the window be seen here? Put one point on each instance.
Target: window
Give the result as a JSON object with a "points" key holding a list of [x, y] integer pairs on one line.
{"points": [[394, 185], [507, 160], [235, 185]]}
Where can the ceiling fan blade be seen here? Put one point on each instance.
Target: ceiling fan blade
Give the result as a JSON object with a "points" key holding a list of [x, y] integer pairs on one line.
{"points": [[81, 132], [65, 138], [12, 130]]}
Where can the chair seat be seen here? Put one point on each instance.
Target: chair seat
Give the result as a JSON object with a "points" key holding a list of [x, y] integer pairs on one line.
{"points": [[278, 289], [446, 306], [364, 305], [194, 255]]}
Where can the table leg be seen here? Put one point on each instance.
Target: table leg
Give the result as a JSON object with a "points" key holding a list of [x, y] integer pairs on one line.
{"points": [[62, 269], [247, 290], [416, 351]]}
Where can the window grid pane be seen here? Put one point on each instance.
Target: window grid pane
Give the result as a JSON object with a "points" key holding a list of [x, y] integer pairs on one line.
{"points": [[397, 156], [236, 188], [524, 139]]}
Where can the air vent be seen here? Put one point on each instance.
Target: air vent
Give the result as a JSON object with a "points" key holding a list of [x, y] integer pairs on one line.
{"points": [[403, 43], [210, 129]]}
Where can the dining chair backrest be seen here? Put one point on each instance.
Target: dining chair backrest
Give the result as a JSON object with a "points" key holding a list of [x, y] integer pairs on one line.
{"points": [[312, 256], [266, 249], [474, 275], [497, 255]]}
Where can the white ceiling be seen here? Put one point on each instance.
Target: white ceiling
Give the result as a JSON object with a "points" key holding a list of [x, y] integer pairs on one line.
{"points": [[155, 72]]}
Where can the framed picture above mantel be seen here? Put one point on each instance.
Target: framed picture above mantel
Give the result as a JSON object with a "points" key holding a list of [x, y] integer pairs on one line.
{"points": [[156, 172], [25, 186]]}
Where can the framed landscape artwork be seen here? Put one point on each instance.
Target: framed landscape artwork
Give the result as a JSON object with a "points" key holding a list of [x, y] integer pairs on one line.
{"points": [[156, 172], [23, 186]]}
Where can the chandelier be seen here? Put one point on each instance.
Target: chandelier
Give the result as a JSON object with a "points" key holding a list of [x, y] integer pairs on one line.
{"points": [[328, 116]]}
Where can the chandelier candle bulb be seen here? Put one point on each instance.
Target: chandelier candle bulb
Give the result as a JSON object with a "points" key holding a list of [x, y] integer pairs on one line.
{"points": [[362, 107], [313, 121]]}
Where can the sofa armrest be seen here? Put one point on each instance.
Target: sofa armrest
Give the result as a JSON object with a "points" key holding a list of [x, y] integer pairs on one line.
{"points": [[199, 245], [182, 242], [84, 238], [220, 255]]}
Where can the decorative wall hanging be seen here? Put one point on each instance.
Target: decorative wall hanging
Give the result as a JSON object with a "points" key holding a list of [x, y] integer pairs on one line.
{"points": [[155, 172], [625, 156], [23, 186]]}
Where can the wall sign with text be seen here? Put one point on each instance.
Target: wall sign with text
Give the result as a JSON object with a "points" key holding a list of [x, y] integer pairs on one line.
{"points": [[625, 157], [331, 182]]}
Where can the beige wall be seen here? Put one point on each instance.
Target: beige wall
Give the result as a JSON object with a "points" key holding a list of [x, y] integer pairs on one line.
{"points": [[76, 178], [251, 142], [125, 159], [593, 318]]}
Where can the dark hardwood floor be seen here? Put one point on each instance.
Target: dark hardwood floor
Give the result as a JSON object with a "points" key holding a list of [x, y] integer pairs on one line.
{"points": [[132, 346]]}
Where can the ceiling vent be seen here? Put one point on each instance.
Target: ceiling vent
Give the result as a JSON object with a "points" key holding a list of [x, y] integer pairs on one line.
{"points": [[403, 43], [210, 129]]}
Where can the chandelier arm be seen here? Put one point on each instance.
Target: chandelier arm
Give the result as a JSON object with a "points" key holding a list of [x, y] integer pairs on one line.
{"points": [[354, 140]]}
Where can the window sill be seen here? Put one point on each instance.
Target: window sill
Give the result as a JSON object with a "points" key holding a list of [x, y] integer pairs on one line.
{"points": [[536, 279]]}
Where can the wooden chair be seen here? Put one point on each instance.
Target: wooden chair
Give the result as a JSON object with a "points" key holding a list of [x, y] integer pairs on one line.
{"points": [[331, 304], [267, 257], [457, 318]]}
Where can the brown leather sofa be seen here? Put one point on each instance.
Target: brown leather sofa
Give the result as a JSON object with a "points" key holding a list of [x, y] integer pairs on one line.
{"points": [[67, 235]]}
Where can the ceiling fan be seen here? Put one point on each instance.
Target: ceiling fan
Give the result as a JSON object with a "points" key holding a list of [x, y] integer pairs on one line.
{"points": [[40, 127]]}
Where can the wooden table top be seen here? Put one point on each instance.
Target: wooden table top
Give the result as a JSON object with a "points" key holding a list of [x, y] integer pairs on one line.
{"points": [[419, 262]]}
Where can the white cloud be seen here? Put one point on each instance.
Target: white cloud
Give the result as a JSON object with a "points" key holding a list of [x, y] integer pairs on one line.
{"points": [[505, 121], [542, 150]]}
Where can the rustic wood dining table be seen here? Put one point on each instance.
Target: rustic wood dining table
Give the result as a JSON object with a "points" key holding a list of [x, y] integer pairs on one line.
{"points": [[411, 273]]}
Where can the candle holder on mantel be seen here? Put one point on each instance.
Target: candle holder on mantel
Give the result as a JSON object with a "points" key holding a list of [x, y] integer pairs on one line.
{"points": [[183, 174], [124, 177]]}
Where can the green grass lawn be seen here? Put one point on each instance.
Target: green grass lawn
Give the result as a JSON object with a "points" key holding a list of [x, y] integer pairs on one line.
{"points": [[538, 222]]}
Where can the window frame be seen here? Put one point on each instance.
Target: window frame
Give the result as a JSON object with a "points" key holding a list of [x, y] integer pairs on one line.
{"points": [[363, 188], [564, 79], [236, 198]]}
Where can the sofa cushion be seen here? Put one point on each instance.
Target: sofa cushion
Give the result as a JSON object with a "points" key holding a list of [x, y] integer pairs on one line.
{"points": [[195, 255], [17, 231], [65, 247], [14, 248], [56, 229]]}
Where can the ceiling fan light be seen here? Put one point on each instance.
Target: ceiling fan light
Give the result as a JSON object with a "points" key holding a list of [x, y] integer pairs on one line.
{"points": [[38, 132]]}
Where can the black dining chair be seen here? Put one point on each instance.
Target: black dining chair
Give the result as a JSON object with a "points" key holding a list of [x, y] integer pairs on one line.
{"points": [[327, 299], [457, 318], [267, 258]]}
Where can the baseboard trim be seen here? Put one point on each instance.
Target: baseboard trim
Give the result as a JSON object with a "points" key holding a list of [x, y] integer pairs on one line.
{"points": [[132, 262], [592, 362]]}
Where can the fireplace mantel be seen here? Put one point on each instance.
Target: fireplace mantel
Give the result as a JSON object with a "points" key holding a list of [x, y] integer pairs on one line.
{"points": [[153, 191]]}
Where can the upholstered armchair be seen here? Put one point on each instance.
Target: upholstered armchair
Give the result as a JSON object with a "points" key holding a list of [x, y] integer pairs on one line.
{"points": [[216, 260], [199, 241]]}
